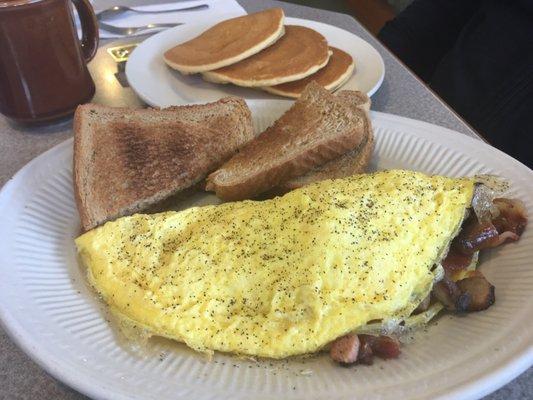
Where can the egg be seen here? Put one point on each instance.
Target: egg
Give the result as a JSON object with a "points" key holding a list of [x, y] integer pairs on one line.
{"points": [[280, 277]]}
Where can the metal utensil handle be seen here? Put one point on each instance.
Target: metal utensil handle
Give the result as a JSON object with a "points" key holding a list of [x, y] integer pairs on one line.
{"points": [[194, 8]]}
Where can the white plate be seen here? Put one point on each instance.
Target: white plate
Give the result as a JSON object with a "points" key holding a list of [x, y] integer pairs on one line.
{"points": [[159, 85], [48, 310]]}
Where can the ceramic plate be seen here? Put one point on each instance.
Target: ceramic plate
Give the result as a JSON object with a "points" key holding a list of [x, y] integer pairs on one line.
{"points": [[48, 310], [159, 85]]}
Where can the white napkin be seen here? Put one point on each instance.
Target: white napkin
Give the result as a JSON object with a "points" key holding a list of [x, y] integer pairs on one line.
{"points": [[229, 8]]}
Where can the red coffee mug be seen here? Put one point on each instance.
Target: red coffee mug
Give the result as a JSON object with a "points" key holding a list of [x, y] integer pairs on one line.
{"points": [[43, 65]]}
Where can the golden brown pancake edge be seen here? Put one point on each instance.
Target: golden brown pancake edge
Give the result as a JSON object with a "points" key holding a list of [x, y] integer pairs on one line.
{"points": [[299, 53], [225, 43], [338, 70]]}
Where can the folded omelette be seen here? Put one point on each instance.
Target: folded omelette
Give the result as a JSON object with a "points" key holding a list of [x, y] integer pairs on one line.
{"points": [[285, 276]]}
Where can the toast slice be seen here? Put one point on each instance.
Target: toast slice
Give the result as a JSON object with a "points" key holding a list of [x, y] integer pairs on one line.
{"points": [[318, 128], [353, 162], [355, 98], [126, 160]]}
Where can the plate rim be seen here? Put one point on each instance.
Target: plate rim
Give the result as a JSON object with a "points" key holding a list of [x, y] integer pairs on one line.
{"points": [[488, 381], [148, 100]]}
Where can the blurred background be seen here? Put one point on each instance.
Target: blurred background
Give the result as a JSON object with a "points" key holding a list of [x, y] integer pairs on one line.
{"points": [[371, 13], [476, 55]]}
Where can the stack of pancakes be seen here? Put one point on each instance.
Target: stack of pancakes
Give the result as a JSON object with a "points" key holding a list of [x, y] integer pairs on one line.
{"points": [[258, 50]]}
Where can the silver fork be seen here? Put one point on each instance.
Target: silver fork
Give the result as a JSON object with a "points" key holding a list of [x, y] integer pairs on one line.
{"points": [[114, 11], [131, 30]]}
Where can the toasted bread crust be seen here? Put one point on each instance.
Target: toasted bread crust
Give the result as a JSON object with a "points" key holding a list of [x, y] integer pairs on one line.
{"points": [[83, 211], [355, 98], [353, 162], [318, 128], [264, 180], [126, 160]]}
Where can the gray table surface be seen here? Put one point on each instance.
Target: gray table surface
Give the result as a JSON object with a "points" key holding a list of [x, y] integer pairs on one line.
{"points": [[401, 93]]}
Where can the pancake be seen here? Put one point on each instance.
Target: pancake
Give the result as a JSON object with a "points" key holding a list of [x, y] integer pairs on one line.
{"points": [[227, 42], [338, 70], [299, 53]]}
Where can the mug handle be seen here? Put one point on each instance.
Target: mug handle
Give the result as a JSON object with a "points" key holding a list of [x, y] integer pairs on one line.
{"points": [[89, 29]]}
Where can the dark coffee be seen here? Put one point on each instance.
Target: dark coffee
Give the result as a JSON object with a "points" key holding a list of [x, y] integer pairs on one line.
{"points": [[43, 72]]}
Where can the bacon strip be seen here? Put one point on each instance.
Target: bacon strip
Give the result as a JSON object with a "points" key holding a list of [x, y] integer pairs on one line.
{"points": [[504, 237], [385, 346], [508, 225], [475, 236], [512, 218], [456, 260]]}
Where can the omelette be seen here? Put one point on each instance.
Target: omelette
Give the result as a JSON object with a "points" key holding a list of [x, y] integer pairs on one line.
{"points": [[285, 276]]}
